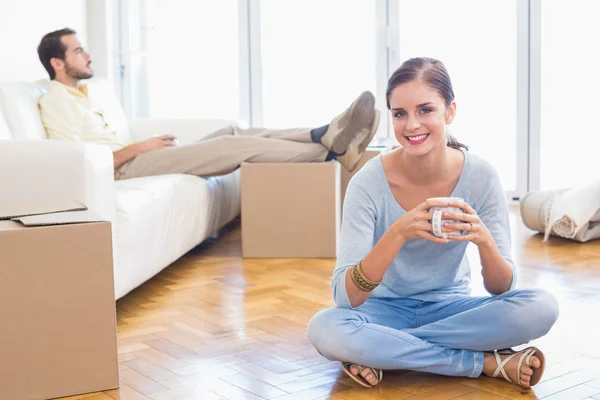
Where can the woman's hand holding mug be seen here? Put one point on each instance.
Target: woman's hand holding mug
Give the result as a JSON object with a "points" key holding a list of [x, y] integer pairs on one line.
{"points": [[462, 217], [441, 218], [416, 223]]}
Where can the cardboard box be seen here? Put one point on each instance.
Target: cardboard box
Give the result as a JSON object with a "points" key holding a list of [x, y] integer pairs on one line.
{"points": [[290, 210], [57, 304]]}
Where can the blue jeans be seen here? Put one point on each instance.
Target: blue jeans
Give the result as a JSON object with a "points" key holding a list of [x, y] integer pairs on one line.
{"points": [[446, 337]]}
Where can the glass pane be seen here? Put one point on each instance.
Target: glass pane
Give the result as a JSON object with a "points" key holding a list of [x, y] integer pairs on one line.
{"points": [[317, 57], [140, 99], [570, 140], [480, 54], [138, 32], [189, 67]]}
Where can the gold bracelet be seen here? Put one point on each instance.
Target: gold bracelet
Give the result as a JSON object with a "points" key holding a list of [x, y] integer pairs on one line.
{"points": [[362, 275], [358, 282], [362, 283]]}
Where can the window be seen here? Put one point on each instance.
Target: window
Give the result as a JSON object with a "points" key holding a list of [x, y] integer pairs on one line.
{"points": [[183, 58], [289, 63], [570, 84], [317, 57], [481, 57]]}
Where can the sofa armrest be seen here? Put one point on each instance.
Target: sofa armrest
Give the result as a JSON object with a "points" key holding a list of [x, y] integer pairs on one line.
{"points": [[186, 130], [53, 170]]}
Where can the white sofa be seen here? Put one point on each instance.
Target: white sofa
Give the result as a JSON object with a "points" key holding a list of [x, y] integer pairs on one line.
{"points": [[155, 220]]}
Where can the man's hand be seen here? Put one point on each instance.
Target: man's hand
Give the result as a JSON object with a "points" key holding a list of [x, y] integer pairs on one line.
{"points": [[121, 157], [155, 143]]}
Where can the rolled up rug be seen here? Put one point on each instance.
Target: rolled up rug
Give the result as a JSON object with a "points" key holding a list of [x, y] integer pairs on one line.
{"points": [[572, 213], [535, 208]]}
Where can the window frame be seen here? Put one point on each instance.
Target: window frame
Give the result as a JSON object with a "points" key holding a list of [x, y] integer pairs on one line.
{"points": [[528, 101]]}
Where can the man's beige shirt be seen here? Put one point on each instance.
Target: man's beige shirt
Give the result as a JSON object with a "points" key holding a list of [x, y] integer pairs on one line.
{"points": [[68, 114]]}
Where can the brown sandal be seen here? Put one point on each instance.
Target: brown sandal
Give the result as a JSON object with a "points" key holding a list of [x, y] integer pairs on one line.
{"points": [[359, 378], [526, 355]]}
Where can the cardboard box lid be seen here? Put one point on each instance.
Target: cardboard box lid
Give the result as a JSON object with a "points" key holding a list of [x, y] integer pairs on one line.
{"points": [[39, 214], [23, 209], [59, 218]]}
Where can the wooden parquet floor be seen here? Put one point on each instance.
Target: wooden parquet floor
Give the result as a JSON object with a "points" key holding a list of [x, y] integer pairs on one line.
{"points": [[216, 326]]}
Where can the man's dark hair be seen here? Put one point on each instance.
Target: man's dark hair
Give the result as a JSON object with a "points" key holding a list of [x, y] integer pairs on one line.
{"points": [[51, 47]]}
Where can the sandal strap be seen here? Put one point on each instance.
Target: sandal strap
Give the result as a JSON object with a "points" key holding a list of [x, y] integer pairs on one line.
{"points": [[528, 360], [500, 368]]}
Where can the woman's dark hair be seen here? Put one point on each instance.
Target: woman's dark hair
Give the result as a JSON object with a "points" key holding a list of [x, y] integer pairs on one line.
{"points": [[435, 74], [52, 47]]}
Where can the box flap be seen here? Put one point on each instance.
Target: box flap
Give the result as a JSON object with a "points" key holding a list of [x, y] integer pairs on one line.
{"points": [[21, 209], [59, 218]]}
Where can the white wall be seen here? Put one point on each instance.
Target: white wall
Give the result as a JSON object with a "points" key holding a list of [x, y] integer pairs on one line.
{"points": [[22, 25]]}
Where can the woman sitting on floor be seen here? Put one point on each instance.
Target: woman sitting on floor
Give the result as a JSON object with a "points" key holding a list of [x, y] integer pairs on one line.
{"points": [[403, 294]]}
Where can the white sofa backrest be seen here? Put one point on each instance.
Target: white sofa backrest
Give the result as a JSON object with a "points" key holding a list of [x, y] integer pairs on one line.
{"points": [[19, 106]]}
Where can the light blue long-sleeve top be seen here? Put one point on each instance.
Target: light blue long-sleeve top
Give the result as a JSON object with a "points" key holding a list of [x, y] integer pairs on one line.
{"points": [[422, 270]]}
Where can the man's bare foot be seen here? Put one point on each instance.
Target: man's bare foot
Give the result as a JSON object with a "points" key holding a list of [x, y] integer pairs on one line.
{"points": [[526, 372], [367, 373]]}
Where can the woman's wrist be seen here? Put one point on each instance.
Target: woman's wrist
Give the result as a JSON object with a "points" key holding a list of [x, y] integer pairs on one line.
{"points": [[487, 243], [398, 235]]}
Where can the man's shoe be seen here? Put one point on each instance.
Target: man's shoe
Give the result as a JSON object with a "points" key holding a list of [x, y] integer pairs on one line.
{"points": [[344, 128], [357, 147]]}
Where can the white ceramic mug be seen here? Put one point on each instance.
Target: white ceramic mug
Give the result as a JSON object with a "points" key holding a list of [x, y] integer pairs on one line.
{"points": [[437, 223]]}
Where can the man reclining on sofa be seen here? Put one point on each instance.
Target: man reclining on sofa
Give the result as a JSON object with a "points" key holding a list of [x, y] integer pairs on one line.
{"points": [[69, 114]]}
